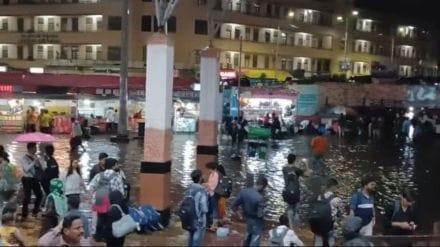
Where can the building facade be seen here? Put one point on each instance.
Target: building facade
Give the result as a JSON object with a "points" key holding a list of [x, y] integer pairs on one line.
{"points": [[291, 35]]}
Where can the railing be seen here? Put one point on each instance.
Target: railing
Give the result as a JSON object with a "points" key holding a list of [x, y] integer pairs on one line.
{"points": [[40, 2]]}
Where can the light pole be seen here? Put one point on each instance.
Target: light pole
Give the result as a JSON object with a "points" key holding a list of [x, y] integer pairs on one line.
{"points": [[122, 135], [354, 13]]}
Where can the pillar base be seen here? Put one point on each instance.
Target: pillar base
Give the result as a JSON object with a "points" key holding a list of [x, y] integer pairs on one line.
{"points": [[120, 139]]}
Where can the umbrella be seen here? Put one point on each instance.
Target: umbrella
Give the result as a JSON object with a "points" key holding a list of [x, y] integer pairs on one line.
{"points": [[34, 137]]}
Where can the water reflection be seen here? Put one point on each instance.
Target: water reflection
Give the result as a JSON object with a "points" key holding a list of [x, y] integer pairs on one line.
{"points": [[394, 165]]}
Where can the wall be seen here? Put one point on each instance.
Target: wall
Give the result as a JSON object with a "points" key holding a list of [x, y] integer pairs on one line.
{"points": [[355, 94]]}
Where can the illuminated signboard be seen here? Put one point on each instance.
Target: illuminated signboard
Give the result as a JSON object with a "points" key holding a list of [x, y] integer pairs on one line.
{"points": [[227, 75], [6, 88]]}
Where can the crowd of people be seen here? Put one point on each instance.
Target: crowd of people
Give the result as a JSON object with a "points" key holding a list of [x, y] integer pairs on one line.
{"points": [[396, 125], [206, 205], [327, 216], [58, 198]]}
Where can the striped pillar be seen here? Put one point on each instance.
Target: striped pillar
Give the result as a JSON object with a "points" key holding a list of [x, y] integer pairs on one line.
{"points": [[207, 148], [156, 169]]}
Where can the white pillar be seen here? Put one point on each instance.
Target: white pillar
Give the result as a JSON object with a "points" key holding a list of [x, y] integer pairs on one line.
{"points": [[207, 148], [156, 169]]}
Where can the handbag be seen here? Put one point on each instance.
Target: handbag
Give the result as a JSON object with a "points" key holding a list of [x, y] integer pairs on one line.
{"points": [[124, 226]]}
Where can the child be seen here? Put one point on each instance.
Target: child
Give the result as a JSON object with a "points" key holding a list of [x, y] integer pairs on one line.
{"points": [[56, 206], [10, 235], [282, 235]]}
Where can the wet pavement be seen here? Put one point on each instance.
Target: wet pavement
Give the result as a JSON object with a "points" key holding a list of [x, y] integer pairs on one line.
{"points": [[395, 166]]}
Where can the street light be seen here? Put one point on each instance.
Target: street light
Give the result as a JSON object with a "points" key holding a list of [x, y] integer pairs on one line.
{"points": [[291, 14], [347, 19]]}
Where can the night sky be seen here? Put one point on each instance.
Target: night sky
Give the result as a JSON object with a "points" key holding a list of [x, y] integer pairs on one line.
{"points": [[423, 9]]}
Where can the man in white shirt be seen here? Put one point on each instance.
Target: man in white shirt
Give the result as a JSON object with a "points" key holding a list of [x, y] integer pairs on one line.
{"points": [[31, 170], [109, 118], [282, 235]]}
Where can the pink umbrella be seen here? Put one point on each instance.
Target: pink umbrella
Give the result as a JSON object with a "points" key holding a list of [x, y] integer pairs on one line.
{"points": [[34, 137]]}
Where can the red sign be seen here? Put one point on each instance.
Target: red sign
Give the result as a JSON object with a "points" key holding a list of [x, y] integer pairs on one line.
{"points": [[6, 89]]}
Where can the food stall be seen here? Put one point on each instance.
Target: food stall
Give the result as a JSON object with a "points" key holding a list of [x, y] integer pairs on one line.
{"points": [[256, 103]]}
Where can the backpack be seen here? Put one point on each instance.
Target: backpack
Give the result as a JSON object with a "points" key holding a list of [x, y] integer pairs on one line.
{"points": [[278, 239], [102, 200], [291, 193], [321, 219], [224, 187], [188, 212], [153, 218], [147, 218]]}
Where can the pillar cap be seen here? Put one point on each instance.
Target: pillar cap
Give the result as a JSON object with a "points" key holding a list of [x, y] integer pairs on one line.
{"points": [[210, 52], [160, 39]]}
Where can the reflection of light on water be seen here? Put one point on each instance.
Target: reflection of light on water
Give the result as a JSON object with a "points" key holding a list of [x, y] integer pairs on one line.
{"points": [[187, 161], [83, 161]]}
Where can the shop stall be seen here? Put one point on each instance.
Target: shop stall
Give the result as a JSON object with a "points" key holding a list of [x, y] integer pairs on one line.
{"points": [[12, 116], [257, 103]]}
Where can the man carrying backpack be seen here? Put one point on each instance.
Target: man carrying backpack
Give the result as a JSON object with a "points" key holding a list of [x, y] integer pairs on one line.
{"points": [[282, 235], [193, 210], [292, 192], [324, 215], [252, 203], [102, 184]]}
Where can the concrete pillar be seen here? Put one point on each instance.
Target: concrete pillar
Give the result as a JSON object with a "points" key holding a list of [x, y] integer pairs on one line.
{"points": [[156, 169], [207, 148]]}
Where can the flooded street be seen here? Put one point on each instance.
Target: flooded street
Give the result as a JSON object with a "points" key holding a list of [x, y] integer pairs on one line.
{"points": [[394, 165]]}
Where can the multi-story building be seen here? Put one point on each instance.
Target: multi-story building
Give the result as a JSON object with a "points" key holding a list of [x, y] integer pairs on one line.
{"points": [[290, 35]]}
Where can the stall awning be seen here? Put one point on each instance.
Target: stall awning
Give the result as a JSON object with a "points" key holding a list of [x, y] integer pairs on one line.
{"points": [[279, 75], [30, 81]]}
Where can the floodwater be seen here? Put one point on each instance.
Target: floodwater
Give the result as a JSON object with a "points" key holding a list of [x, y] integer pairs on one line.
{"points": [[394, 165]]}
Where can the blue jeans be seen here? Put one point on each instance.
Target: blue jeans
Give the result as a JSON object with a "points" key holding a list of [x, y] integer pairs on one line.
{"points": [[213, 209], [292, 215], [319, 240], [254, 229], [196, 238]]}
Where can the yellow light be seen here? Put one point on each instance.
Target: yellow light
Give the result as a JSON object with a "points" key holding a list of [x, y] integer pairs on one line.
{"points": [[339, 18], [291, 14], [355, 12]]}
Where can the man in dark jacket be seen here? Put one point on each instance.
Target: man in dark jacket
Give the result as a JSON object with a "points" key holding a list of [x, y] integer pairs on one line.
{"points": [[98, 167], [52, 169], [251, 202]]}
